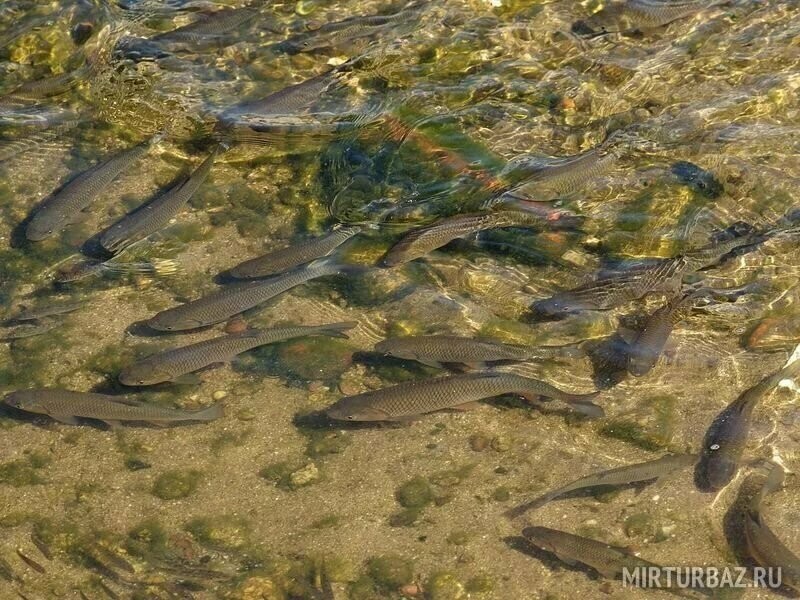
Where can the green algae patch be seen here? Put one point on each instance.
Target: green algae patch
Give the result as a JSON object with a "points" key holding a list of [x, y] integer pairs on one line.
{"points": [[389, 572], [651, 426], [230, 439], [24, 471], [174, 485], [225, 532], [444, 585], [314, 358], [415, 493]]}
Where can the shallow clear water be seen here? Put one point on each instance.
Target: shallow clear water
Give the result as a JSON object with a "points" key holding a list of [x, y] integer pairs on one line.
{"points": [[438, 113]]}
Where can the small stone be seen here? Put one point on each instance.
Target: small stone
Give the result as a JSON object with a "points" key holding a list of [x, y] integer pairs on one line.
{"points": [[219, 395], [316, 386], [349, 388], [501, 444], [246, 414], [304, 476], [479, 442], [236, 325], [411, 590]]}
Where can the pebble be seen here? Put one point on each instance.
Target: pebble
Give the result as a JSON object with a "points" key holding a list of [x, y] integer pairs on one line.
{"points": [[304, 476], [236, 325], [219, 395], [479, 442]]}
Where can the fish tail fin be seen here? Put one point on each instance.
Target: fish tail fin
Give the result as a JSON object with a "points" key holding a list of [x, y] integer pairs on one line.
{"points": [[337, 330], [210, 413]]}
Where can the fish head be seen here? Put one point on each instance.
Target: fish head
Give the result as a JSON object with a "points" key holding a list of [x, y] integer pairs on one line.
{"points": [[352, 409], [701, 181], [715, 469], [143, 374], [166, 322], [26, 402], [641, 363], [391, 348], [553, 308], [540, 537], [42, 226]]}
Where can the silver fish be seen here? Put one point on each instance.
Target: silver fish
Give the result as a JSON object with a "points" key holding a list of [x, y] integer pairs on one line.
{"points": [[629, 474], [173, 364], [67, 407], [66, 205], [436, 350], [293, 256], [409, 400], [236, 298], [154, 215]]}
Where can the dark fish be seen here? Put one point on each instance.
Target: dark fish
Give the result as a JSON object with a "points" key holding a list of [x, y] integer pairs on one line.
{"points": [[700, 180], [157, 213], [622, 16], [436, 350], [763, 545], [646, 349], [423, 240], [30, 562], [612, 289], [236, 298], [409, 400], [172, 364], [725, 440], [629, 474], [346, 31], [67, 204], [293, 256], [67, 407]]}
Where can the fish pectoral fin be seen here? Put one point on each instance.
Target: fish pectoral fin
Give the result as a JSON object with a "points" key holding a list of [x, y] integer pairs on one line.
{"points": [[607, 571], [566, 559], [430, 363], [467, 406], [112, 424], [187, 379], [66, 419], [628, 334], [476, 366]]}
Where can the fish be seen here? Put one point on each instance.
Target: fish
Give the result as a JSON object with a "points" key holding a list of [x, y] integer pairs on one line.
{"points": [[47, 310], [437, 350], [236, 298], [279, 261], [345, 31], [29, 329], [609, 561], [623, 16], [639, 473], [726, 437], [698, 179], [423, 240], [408, 400], [171, 365], [67, 407], [82, 269], [646, 348], [558, 177], [208, 30], [156, 214], [763, 545], [66, 205], [291, 100], [614, 288]]}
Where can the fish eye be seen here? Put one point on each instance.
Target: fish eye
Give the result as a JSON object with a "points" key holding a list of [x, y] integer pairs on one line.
{"points": [[701, 185], [350, 417]]}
